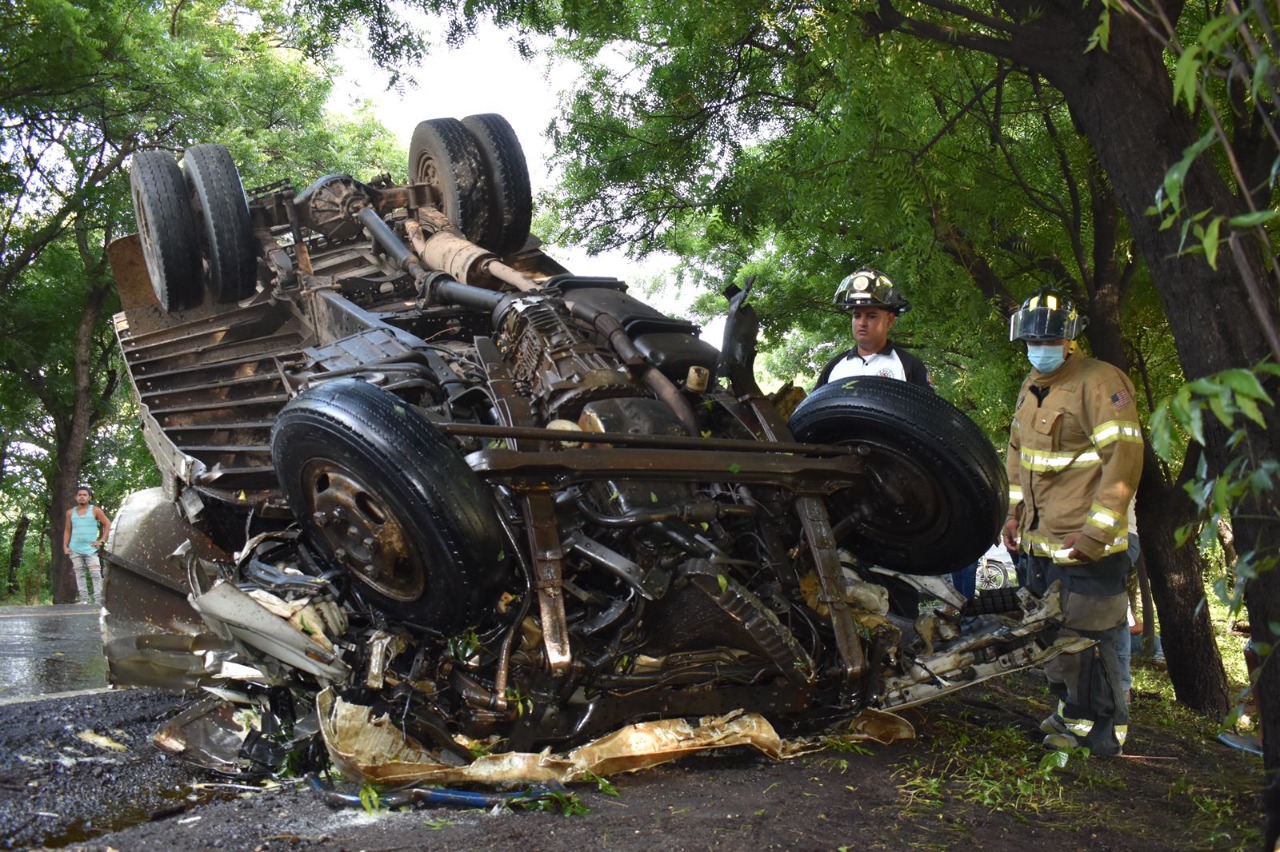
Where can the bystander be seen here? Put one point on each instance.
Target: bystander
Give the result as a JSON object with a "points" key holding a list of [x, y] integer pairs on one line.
{"points": [[85, 531]]}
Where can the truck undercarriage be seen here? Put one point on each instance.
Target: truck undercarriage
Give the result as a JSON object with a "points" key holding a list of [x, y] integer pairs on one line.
{"points": [[412, 462]]}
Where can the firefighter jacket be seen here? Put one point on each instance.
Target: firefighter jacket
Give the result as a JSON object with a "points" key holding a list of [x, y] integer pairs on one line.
{"points": [[1075, 455]]}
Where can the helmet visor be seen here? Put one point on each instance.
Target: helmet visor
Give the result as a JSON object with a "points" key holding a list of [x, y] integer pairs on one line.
{"points": [[1050, 319]]}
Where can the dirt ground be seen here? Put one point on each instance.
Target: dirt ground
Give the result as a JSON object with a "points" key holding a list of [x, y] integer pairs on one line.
{"points": [[969, 780]]}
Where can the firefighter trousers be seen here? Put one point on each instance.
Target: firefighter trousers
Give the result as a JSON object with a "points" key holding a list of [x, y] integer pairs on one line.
{"points": [[1089, 685]]}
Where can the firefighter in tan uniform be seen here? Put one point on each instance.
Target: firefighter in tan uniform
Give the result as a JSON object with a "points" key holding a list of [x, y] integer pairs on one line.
{"points": [[1075, 455]]}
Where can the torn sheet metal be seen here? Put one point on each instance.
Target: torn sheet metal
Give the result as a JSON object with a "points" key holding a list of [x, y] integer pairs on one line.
{"points": [[288, 632], [373, 748], [237, 735], [210, 734]]}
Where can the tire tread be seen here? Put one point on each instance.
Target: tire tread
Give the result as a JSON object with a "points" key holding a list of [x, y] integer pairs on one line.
{"points": [[511, 198], [917, 424], [222, 221], [463, 181], [167, 229]]}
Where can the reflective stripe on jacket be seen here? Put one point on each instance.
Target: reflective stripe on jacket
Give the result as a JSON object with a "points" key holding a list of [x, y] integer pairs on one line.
{"points": [[1074, 459]]}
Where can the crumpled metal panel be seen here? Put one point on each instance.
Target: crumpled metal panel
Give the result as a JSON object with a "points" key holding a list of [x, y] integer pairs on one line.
{"points": [[151, 634], [374, 748], [242, 616]]}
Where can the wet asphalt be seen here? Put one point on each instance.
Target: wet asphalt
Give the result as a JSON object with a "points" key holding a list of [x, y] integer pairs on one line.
{"points": [[50, 650]]}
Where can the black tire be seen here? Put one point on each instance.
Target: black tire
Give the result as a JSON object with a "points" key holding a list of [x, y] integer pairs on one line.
{"points": [[222, 222], [992, 574], [167, 229], [444, 155], [936, 493], [383, 495], [510, 195]]}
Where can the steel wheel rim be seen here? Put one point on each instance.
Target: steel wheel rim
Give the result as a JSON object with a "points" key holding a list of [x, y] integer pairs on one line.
{"points": [[363, 532]]}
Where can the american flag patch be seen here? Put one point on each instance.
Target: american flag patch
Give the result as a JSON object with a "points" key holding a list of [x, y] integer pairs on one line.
{"points": [[1121, 400]]}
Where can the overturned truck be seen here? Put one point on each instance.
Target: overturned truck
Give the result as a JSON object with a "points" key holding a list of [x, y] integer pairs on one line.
{"points": [[413, 465]]}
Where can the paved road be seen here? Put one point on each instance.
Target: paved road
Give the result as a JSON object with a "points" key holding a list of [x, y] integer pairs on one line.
{"points": [[50, 649]]}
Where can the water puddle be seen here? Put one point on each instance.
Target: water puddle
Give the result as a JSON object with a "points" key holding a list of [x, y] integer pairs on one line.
{"points": [[50, 649]]}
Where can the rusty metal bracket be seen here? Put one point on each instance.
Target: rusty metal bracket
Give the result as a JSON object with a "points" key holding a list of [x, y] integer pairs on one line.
{"points": [[540, 518], [544, 537], [822, 544]]}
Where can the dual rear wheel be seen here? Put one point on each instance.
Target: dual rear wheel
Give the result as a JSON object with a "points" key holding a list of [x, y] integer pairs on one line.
{"points": [[196, 232], [194, 225], [477, 172]]}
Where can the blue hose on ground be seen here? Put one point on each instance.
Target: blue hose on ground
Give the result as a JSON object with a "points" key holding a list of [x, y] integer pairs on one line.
{"points": [[437, 796]]}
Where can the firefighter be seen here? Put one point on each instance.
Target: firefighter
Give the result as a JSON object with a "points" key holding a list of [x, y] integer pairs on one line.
{"points": [[876, 305], [1075, 455]]}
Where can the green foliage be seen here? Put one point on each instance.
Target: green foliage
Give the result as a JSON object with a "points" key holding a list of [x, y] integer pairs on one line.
{"points": [[370, 799], [556, 801], [844, 745], [995, 769], [1224, 76], [762, 140], [464, 645], [1233, 399], [604, 785]]}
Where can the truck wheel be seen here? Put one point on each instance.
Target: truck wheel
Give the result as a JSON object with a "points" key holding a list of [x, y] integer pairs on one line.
{"points": [[383, 495], [446, 157], [166, 229], [935, 492], [510, 196], [222, 222]]}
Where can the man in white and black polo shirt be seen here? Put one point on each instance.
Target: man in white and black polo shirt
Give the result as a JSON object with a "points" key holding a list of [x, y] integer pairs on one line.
{"points": [[876, 305]]}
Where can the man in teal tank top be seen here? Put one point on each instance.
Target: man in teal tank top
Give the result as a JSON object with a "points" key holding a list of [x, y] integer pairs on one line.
{"points": [[81, 539]]}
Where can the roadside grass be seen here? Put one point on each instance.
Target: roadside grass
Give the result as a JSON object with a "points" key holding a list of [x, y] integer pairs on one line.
{"points": [[993, 768], [1174, 791], [972, 766]]}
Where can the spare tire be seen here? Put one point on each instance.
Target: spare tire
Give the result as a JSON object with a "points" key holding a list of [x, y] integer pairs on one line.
{"points": [[382, 495], [936, 492]]}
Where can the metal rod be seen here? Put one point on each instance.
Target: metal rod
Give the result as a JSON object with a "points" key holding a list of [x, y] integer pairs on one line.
{"points": [[479, 430]]}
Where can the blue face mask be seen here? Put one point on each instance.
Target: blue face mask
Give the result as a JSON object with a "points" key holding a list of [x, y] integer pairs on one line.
{"points": [[1046, 359]]}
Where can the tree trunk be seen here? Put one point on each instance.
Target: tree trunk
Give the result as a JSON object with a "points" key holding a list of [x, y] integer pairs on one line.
{"points": [[33, 595], [15, 553], [1150, 629], [1177, 584], [74, 430], [1121, 98]]}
